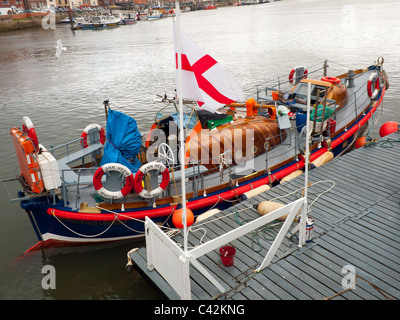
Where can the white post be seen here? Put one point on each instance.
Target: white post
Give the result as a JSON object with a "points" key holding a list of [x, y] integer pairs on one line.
{"points": [[181, 135], [303, 217]]}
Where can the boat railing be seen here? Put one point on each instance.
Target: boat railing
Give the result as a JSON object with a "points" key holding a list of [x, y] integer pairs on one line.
{"points": [[12, 183], [280, 83], [359, 101], [83, 177], [277, 83], [67, 146], [284, 83], [73, 147], [194, 173]]}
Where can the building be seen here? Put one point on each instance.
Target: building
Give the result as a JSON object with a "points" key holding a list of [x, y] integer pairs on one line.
{"points": [[84, 3], [70, 3], [106, 3], [36, 4], [57, 3], [19, 4], [24, 4]]}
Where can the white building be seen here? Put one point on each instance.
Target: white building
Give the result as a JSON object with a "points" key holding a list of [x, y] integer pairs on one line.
{"points": [[71, 3]]}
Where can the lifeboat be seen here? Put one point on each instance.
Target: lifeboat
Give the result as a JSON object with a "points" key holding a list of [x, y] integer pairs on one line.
{"points": [[230, 155]]}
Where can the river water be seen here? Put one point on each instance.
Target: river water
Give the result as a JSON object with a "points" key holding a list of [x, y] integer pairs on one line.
{"points": [[129, 65]]}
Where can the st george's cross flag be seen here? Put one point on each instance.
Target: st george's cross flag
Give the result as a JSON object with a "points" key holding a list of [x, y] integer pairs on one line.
{"points": [[203, 79]]}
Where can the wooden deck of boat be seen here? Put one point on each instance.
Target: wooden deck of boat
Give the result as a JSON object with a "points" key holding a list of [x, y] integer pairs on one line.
{"points": [[357, 223]]}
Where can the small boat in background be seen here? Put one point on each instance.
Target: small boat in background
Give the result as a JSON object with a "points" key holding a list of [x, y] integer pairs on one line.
{"points": [[66, 20], [105, 21], [128, 19], [100, 22], [210, 6], [156, 13]]}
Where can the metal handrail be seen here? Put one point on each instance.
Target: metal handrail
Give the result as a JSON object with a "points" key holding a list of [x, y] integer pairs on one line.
{"points": [[65, 145]]}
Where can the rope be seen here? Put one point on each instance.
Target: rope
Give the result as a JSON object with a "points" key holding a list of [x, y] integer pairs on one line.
{"points": [[267, 229], [386, 143], [310, 185], [83, 235], [263, 229], [387, 295]]}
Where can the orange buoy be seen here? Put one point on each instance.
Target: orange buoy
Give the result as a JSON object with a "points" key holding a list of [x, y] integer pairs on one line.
{"points": [[360, 142], [177, 218], [388, 128]]}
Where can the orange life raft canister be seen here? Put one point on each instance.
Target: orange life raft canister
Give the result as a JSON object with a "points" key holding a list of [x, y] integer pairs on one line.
{"points": [[28, 161]]}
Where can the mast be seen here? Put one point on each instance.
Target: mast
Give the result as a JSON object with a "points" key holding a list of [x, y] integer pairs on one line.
{"points": [[181, 135]]}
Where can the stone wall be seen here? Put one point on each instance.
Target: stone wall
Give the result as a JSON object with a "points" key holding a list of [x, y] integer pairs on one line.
{"points": [[24, 20]]}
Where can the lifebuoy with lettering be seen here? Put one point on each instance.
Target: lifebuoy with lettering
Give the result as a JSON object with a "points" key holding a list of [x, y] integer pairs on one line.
{"points": [[98, 185], [293, 81], [138, 186], [373, 84], [86, 132]]}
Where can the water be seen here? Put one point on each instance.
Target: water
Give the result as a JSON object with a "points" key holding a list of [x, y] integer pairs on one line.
{"points": [[129, 65]]}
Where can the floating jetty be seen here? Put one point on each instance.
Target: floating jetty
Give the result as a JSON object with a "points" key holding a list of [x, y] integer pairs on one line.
{"points": [[355, 203]]}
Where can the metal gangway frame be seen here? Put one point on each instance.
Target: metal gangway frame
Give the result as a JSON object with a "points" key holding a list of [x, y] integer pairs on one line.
{"points": [[172, 262]]}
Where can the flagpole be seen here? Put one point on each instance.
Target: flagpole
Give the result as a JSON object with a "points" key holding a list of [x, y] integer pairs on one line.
{"points": [[303, 216], [181, 135]]}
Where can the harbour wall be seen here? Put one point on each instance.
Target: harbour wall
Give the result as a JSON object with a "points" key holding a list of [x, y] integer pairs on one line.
{"points": [[24, 20], [30, 20]]}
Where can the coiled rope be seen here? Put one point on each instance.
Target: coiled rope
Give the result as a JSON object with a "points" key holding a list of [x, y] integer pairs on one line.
{"points": [[268, 229]]}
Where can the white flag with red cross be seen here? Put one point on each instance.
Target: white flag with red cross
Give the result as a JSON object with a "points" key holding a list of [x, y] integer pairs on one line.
{"points": [[203, 79]]}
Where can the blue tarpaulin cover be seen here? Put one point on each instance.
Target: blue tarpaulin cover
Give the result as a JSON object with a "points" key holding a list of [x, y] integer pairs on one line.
{"points": [[123, 141]]}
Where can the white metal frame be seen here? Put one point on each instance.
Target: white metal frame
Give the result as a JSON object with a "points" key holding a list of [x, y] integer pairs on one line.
{"points": [[172, 263]]}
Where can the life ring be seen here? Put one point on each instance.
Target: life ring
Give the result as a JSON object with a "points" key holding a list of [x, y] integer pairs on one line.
{"points": [[85, 134], [373, 83], [331, 80], [98, 186], [138, 186], [292, 73], [29, 129]]}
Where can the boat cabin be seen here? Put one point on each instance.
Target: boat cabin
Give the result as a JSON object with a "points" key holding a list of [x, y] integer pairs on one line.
{"points": [[335, 91]]}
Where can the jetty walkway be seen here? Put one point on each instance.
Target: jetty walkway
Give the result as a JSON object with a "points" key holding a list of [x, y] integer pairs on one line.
{"points": [[355, 252]]}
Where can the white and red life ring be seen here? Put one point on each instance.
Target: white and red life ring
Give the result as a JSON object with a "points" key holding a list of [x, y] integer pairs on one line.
{"points": [[98, 185], [139, 178], [85, 133], [293, 81], [29, 129], [373, 84], [332, 80]]}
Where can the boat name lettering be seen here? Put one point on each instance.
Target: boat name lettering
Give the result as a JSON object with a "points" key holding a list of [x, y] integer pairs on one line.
{"points": [[88, 222]]}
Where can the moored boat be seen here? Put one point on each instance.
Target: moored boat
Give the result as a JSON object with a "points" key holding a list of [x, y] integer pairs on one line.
{"points": [[67, 20], [101, 22], [156, 13], [103, 190], [128, 19]]}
